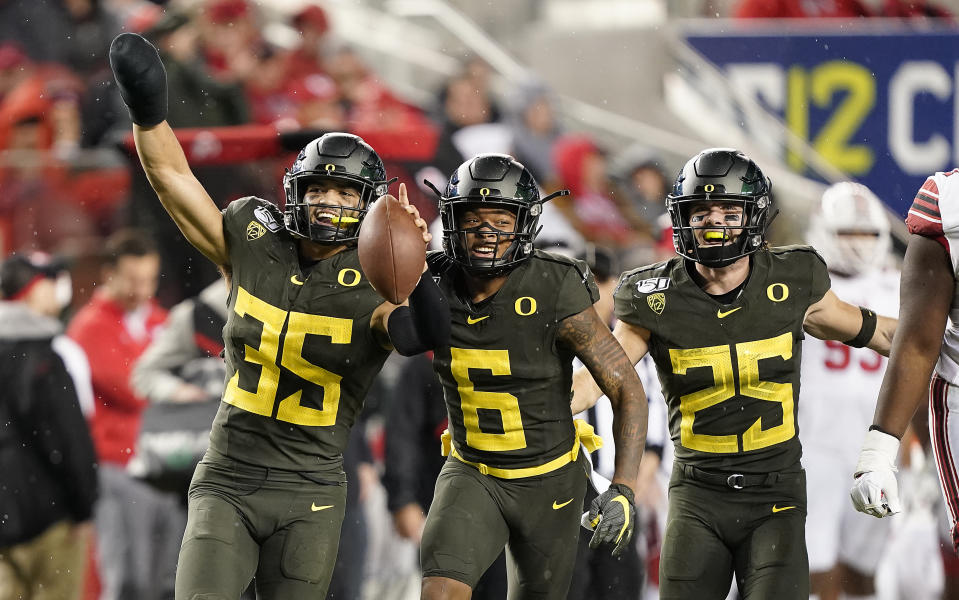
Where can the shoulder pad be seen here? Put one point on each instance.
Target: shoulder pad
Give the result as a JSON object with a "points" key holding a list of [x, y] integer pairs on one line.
{"points": [[797, 248], [438, 262]]}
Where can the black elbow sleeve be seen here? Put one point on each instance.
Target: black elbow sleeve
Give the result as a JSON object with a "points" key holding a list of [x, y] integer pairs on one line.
{"points": [[424, 324]]}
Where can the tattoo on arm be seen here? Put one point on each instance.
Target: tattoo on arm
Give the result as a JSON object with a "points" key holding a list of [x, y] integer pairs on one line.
{"points": [[589, 338]]}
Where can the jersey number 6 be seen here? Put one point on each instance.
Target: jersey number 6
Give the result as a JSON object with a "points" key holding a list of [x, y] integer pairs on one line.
{"points": [[261, 401], [472, 400]]}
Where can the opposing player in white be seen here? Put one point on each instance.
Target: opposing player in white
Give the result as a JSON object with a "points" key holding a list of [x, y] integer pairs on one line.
{"points": [[840, 383], [921, 344]]}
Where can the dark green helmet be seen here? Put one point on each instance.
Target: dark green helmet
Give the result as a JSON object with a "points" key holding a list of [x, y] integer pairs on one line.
{"points": [[720, 174], [342, 157]]}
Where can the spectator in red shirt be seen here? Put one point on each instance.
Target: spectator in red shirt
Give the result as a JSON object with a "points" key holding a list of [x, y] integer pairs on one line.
{"points": [[114, 328], [307, 58], [136, 552], [801, 9]]}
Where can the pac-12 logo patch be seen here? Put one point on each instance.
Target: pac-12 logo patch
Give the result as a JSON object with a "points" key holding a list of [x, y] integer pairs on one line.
{"points": [[254, 231], [657, 302], [266, 217], [656, 284]]}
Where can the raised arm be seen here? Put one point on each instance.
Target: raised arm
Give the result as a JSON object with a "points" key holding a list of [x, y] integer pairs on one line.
{"points": [[633, 340], [590, 339], [142, 81], [834, 319]]}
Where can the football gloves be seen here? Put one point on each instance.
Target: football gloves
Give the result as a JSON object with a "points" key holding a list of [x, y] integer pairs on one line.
{"points": [[875, 491], [141, 78], [612, 516]]}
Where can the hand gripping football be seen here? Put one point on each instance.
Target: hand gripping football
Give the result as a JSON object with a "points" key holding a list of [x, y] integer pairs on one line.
{"points": [[391, 249]]}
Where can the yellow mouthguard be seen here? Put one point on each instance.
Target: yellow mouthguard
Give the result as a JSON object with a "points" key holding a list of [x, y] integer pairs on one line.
{"points": [[344, 220], [718, 236]]}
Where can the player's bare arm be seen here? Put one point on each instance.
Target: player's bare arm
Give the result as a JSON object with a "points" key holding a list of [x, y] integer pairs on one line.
{"points": [[633, 340], [833, 319], [142, 81], [926, 291], [590, 339]]}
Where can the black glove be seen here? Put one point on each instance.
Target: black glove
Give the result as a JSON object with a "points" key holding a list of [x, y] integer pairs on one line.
{"points": [[141, 78], [612, 516]]}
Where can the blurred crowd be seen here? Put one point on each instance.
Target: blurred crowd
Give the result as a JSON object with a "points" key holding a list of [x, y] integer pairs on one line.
{"points": [[144, 312]]}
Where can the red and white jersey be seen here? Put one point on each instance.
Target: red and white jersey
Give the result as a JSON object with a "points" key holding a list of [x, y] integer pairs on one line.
{"points": [[840, 384], [935, 214]]}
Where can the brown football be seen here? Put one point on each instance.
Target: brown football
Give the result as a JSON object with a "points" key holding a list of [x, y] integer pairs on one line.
{"points": [[391, 249]]}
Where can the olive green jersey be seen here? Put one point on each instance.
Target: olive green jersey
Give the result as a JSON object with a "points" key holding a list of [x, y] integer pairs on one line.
{"points": [[730, 372], [505, 379], [300, 353]]}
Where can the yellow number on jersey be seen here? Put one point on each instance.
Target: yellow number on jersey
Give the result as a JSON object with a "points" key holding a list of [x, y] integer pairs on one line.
{"points": [[497, 363], [719, 358], [299, 325]]}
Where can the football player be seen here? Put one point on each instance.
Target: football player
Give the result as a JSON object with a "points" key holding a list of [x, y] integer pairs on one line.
{"points": [[515, 475], [851, 232], [922, 349], [724, 322], [305, 336]]}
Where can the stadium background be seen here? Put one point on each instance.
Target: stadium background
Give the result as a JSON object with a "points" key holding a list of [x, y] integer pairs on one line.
{"points": [[813, 101]]}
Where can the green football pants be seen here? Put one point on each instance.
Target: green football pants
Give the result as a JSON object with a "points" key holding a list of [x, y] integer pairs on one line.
{"points": [[247, 522]]}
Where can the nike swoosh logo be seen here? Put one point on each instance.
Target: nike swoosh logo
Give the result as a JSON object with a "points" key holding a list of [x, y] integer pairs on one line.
{"points": [[721, 314], [559, 506], [777, 509], [315, 508], [473, 321], [295, 280]]}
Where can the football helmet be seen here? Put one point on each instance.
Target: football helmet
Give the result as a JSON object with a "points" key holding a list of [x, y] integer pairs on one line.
{"points": [[491, 181], [342, 157], [850, 230], [720, 174]]}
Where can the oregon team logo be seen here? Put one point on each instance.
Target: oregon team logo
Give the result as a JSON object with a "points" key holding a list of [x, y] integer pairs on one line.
{"points": [[777, 292], [525, 306], [657, 302], [330, 168], [254, 231], [348, 277]]}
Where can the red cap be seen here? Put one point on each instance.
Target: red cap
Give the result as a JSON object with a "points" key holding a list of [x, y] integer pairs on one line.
{"points": [[227, 11], [312, 16]]}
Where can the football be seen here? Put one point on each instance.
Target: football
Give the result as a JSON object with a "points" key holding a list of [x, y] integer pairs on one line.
{"points": [[391, 249]]}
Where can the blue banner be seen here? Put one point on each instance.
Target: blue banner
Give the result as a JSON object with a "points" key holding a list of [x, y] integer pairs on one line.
{"points": [[880, 106]]}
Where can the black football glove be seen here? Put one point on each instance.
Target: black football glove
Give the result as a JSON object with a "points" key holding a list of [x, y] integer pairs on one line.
{"points": [[141, 78], [612, 516]]}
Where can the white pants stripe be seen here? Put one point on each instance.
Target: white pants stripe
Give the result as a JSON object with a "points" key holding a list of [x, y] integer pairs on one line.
{"points": [[944, 432]]}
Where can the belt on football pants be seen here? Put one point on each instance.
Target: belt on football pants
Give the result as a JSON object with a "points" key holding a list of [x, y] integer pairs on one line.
{"points": [[736, 481], [585, 435]]}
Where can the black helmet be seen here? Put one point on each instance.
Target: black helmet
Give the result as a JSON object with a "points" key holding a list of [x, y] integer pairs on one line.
{"points": [[491, 181], [720, 174], [342, 157]]}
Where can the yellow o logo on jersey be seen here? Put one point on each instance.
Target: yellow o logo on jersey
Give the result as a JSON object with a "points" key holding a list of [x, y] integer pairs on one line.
{"points": [[518, 305], [344, 273], [783, 292]]}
